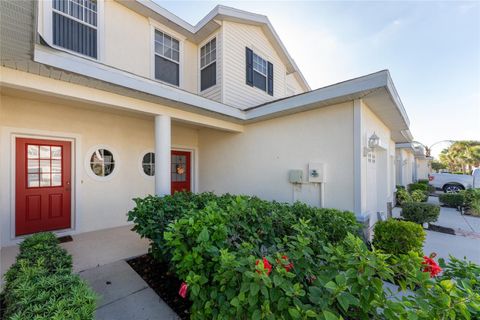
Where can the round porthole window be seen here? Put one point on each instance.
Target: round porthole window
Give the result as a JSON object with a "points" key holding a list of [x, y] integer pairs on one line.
{"points": [[148, 164], [102, 162]]}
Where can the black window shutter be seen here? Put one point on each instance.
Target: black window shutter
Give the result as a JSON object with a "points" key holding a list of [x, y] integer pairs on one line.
{"points": [[249, 64], [270, 79]]}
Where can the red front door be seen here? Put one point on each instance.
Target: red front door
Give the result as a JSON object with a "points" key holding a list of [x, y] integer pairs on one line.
{"points": [[42, 185], [181, 169]]}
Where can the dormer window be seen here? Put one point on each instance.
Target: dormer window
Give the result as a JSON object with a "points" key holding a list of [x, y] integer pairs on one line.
{"points": [[167, 58], [259, 72], [208, 65], [74, 25]]}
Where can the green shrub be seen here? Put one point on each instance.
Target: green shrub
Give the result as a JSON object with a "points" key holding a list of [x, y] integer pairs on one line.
{"points": [[403, 196], [453, 200], [423, 181], [417, 186], [470, 195], [152, 215], [245, 258], [398, 237], [419, 196], [40, 285], [350, 284], [420, 212]]}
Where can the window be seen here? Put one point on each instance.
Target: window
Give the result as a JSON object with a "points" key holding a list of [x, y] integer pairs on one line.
{"points": [[148, 164], [259, 72], [179, 168], [75, 25], [167, 58], [208, 65], [102, 162], [44, 166]]}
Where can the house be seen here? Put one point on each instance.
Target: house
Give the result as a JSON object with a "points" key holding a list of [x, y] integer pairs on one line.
{"points": [[104, 101], [405, 163], [423, 163], [412, 163]]}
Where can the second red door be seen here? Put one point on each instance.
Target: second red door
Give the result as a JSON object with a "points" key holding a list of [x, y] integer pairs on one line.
{"points": [[180, 169]]}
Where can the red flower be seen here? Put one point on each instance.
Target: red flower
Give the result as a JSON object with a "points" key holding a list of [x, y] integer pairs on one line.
{"points": [[431, 266], [288, 266], [266, 265], [183, 290]]}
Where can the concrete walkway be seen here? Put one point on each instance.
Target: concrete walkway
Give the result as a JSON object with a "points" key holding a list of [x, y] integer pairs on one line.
{"points": [[91, 249], [466, 241], [124, 295]]}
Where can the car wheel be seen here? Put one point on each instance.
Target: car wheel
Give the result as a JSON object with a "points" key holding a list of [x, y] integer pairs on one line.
{"points": [[453, 188]]}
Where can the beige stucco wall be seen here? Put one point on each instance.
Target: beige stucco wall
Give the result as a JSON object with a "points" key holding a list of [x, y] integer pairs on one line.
{"points": [[405, 163], [101, 204], [257, 161], [423, 168], [378, 165], [127, 39]]}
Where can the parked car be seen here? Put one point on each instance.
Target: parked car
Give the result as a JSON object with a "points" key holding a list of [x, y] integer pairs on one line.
{"points": [[449, 182]]}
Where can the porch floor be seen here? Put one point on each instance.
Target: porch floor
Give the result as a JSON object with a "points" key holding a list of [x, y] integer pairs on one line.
{"points": [[91, 249]]}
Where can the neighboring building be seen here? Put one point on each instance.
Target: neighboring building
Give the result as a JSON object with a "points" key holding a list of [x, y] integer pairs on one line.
{"points": [[412, 163], [105, 101], [405, 164], [423, 165]]}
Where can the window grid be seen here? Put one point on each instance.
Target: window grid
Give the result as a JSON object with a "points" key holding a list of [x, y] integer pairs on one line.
{"points": [[83, 11], [208, 53], [167, 47], [44, 166], [259, 65], [148, 164], [102, 162]]}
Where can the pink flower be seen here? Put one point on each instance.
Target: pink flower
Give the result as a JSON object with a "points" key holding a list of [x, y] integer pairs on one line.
{"points": [[183, 290]]}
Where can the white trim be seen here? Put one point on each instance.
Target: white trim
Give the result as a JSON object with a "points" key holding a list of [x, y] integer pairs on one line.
{"points": [[108, 74], [358, 172], [7, 181], [116, 161]]}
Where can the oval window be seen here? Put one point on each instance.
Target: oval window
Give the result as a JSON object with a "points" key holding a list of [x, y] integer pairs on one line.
{"points": [[102, 162], [148, 164]]}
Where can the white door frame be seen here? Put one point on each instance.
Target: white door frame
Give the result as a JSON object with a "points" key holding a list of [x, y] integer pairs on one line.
{"points": [[7, 178]]}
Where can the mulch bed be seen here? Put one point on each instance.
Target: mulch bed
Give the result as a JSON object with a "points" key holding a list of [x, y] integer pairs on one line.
{"points": [[434, 227], [2, 307], [163, 282]]}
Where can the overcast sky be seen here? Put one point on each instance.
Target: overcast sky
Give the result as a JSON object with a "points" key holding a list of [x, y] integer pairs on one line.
{"points": [[432, 50]]}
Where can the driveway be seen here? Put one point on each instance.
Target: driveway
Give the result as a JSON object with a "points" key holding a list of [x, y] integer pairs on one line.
{"points": [[466, 241]]}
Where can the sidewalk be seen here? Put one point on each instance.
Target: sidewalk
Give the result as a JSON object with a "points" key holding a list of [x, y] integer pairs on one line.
{"points": [[466, 241], [124, 295]]}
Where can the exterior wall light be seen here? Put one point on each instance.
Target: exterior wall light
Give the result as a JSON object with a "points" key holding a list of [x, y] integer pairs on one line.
{"points": [[373, 141], [372, 144]]}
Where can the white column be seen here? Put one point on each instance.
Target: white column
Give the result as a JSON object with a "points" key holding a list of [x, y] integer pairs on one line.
{"points": [[162, 155]]}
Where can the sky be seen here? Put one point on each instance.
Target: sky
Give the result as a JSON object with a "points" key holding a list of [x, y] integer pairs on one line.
{"points": [[431, 48]]}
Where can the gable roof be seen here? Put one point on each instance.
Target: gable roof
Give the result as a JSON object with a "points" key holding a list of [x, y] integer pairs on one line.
{"points": [[207, 25]]}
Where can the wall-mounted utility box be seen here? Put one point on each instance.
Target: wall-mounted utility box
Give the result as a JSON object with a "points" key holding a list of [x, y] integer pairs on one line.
{"points": [[295, 176], [316, 172]]}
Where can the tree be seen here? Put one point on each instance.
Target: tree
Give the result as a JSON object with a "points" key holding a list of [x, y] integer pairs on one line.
{"points": [[437, 166], [461, 156]]}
